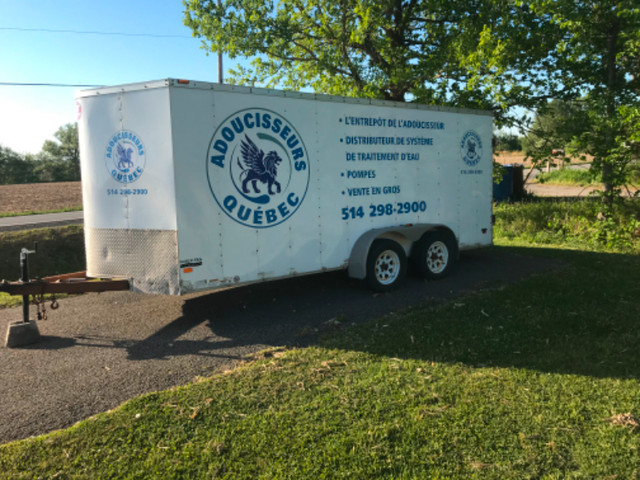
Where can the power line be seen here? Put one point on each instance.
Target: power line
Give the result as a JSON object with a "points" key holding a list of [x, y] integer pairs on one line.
{"points": [[94, 32], [20, 84]]}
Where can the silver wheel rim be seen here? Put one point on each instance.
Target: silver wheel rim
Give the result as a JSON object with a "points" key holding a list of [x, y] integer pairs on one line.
{"points": [[437, 257], [387, 267]]}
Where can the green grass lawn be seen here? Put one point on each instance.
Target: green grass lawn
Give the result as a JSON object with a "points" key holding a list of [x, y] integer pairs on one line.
{"points": [[534, 380], [583, 177], [21, 214], [567, 176]]}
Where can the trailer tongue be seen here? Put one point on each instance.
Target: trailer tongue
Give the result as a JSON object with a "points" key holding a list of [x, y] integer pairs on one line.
{"points": [[33, 291], [77, 282]]}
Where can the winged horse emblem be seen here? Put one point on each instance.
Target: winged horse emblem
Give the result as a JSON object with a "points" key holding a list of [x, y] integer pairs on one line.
{"points": [[258, 167], [124, 155]]}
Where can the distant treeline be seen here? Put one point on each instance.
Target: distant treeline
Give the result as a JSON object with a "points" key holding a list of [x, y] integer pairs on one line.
{"points": [[59, 161], [507, 142]]}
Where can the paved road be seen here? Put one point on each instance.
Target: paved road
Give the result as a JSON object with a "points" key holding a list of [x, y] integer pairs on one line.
{"points": [[39, 221], [99, 350]]}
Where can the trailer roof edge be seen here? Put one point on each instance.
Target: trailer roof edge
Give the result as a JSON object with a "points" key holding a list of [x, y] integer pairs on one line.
{"points": [[183, 83]]}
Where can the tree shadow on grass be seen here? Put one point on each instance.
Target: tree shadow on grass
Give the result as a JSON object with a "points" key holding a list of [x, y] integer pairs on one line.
{"points": [[582, 319]]}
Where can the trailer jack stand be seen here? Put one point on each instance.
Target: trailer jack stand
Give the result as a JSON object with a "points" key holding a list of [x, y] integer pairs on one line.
{"points": [[22, 333], [25, 332]]}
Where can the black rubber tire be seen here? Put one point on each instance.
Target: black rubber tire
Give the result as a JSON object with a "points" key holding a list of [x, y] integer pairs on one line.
{"points": [[434, 255], [386, 265]]}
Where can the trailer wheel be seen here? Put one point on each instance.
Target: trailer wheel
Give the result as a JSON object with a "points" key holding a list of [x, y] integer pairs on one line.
{"points": [[386, 265], [434, 254]]}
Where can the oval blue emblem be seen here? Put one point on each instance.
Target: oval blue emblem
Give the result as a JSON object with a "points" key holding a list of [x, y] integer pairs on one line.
{"points": [[258, 168], [125, 156], [471, 148]]}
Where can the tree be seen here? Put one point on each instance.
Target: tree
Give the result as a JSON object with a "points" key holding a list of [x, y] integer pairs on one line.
{"points": [[598, 60], [507, 142], [14, 168], [65, 154], [556, 126], [391, 49]]}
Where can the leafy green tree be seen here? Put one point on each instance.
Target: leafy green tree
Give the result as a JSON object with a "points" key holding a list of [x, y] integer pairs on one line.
{"points": [[507, 142], [405, 50], [15, 168], [65, 154], [556, 126], [598, 60], [48, 170]]}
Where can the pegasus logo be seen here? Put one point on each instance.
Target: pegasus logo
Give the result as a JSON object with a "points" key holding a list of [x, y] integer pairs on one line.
{"points": [[124, 158], [258, 167]]}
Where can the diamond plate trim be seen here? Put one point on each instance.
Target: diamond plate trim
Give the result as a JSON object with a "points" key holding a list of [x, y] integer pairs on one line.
{"points": [[148, 258]]}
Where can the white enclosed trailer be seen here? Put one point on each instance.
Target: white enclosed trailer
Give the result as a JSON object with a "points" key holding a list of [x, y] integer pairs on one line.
{"points": [[190, 185]]}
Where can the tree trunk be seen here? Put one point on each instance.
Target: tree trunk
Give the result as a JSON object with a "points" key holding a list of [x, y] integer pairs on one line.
{"points": [[610, 59]]}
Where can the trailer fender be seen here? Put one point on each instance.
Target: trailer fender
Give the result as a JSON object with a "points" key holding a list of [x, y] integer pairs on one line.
{"points": [[403, 235]]}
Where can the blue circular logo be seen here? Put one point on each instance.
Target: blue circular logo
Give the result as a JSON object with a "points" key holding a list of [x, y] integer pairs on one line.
{"points": [[125, 156], [471, 148], [258, 168]]}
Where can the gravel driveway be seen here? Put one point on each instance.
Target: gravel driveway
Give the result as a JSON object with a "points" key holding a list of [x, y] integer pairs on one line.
{"points": [[99, 350]]}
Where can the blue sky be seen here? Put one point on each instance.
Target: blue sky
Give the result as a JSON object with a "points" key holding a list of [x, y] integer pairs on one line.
{"points": [[30, 115]]}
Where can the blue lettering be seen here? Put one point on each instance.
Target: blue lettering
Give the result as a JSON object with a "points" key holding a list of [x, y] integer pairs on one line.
{"points": [[271, 215], [257, 217], [218, 160], [297, 153], [228, 134], [243, 213], [277, 125], [237, 125], [247, 120], [285, 132], [266, 121], [220, 146], [293, 199], [230, 203], [292, 141], [282, 208]]}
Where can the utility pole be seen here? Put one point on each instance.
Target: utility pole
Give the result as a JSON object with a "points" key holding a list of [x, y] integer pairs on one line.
{"points": [[220, 77]]}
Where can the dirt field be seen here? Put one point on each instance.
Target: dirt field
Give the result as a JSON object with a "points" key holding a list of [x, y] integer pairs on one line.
{"points": [[38, 197], [507, 158]]}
